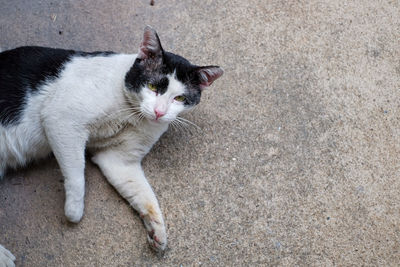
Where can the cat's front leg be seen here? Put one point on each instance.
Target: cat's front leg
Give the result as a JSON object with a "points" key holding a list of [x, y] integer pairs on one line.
{"points": [[68, 145], [129, 180]]}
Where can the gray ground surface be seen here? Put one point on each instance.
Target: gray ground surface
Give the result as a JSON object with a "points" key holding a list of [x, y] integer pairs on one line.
{"points": [[297, 160]]}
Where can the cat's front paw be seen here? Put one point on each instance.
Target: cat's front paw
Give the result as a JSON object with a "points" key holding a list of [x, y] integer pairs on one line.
{"points": [[74, 210], [6, 258], [156, 233], [157, 237]]}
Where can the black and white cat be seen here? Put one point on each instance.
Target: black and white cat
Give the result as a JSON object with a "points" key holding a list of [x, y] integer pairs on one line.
{"points": [[116, 106]]}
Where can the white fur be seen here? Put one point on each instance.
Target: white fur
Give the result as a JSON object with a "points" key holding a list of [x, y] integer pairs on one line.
{"points": [[87, 108], [6, 258]]}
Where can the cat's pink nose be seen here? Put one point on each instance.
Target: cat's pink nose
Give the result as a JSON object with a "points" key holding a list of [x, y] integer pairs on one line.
{"points": [[158, 113]]}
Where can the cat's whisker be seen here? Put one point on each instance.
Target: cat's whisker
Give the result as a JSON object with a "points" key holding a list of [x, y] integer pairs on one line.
{"points": [[118, 111], [141, 117], [173, 125], [130, 110], [182, 126], [134, 114], [188, 122]]}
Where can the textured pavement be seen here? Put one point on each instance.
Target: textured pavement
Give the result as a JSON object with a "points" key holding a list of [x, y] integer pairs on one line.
{"points": [[297, 159]]}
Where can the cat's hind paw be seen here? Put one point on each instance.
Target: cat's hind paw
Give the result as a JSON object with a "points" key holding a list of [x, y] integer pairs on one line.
{"points": [[6, 258]]}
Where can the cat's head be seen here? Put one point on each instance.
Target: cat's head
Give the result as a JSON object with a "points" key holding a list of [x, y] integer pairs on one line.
{"points": [[161, 85]]}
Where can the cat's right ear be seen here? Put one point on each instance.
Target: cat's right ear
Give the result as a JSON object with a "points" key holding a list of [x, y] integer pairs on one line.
{"points": [[150, 48]]}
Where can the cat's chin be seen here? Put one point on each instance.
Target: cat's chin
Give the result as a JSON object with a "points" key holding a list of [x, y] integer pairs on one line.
{"points": [[157, 121]]}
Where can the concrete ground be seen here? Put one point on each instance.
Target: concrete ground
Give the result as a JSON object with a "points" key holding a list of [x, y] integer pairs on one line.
{"points": [[297, 159]]}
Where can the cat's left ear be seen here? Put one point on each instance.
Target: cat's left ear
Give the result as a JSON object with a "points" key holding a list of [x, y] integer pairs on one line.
{"points": [[208, 75], [150, 48]]}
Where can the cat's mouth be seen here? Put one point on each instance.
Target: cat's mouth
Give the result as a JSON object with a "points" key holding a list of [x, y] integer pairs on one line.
{"points": [[154, 119], [151, 116]]}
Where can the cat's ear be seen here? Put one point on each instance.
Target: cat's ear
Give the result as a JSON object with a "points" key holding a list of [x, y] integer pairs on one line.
{"points": [[208, 74], [150, 47]]}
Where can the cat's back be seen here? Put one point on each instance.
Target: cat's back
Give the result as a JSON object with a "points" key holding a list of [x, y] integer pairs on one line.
{"points": [[25, 71], [22, 71]]}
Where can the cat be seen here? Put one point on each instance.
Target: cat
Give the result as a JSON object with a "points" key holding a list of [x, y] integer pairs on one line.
{"points": [[115, 106]]}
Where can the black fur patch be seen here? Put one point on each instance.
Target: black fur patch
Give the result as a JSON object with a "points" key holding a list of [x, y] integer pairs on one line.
{"points": [[136, 77], [95, 54], [162, 85], [24, 69]]}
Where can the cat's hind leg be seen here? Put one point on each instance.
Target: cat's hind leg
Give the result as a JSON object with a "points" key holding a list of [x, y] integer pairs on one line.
{"points": [[129, 180], [6, 258]]}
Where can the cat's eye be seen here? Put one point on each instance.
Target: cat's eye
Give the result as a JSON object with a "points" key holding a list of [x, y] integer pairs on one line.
{"points": [[152, 87], [180, 98]]}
